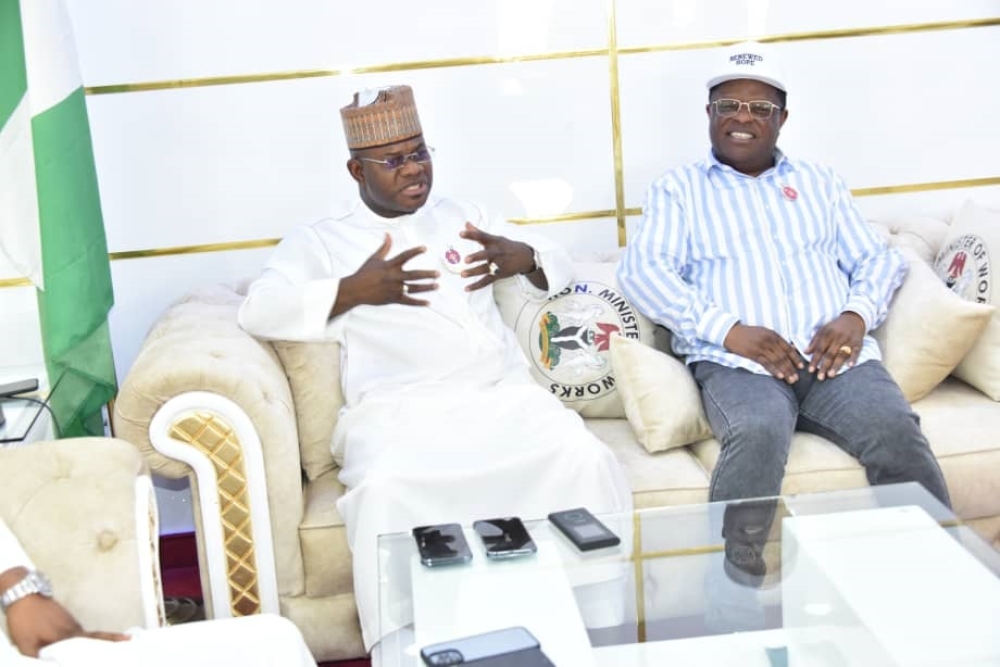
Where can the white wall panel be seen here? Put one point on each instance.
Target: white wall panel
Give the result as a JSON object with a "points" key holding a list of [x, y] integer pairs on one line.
{"points": [[144, 288], [645, 23], [20, 344], [871, 107], [214, 164], [592, 239], [123, 41], [225, 163]]}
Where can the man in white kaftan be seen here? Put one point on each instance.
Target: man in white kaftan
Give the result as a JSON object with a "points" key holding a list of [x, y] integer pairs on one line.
{"points": [[442, 421], [35, 621]]}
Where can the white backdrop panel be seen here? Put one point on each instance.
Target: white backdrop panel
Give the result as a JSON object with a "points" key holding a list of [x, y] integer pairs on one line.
{"points": [[144, 288], [887, 110], [122, 41], [643, 23], [225, 163], [214, 164]]}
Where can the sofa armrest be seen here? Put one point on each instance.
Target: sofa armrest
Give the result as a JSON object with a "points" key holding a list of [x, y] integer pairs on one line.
{"points": [[84, 511], [205, 399]]}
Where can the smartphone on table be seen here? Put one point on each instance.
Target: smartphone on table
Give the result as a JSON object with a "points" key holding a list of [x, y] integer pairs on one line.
{"points": [[442, 544], [509, 647], [583, 529], [505, 537]]}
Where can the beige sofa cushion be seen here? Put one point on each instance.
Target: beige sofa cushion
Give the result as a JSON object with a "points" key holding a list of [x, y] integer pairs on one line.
{"points": [[966, 263], [661, 399], [567, 338], [313, 371], [674, 477], [928, 330]]}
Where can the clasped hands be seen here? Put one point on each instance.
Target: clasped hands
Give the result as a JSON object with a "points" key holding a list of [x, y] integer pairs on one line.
{"points": [[382, 279], [836, 343]]}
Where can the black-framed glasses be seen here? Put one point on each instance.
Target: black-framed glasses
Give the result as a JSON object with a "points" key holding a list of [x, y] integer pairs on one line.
{"points": [[421, 155], [759, 109]]}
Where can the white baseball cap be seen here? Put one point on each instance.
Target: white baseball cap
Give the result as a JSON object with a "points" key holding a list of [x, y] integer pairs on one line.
{"points": [[747, 60]]}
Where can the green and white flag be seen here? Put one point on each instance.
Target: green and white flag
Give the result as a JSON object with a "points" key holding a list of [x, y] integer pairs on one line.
{"points": [[51, 227]]}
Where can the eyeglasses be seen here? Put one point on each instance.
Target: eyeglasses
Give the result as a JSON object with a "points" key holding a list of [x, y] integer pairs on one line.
{"points": [[421, 155], [759, 109]]}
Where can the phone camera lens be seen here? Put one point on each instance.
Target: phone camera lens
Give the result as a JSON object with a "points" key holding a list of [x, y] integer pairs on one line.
{"points": [[450, 657]]}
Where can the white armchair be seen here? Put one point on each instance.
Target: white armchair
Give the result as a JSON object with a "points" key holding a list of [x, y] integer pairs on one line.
{"points": [[84, 510]]}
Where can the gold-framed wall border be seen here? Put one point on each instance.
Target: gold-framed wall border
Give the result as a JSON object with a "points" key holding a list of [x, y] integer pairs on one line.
{"points": [[621, 212], [841, 33], [565, 217], [812, 35]]}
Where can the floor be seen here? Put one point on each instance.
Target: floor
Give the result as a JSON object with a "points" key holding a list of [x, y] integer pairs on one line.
{"points": [[182, 585]]}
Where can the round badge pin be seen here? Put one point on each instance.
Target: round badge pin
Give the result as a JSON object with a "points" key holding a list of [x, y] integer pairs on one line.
{"points": [[791, 194], [452, 260]]}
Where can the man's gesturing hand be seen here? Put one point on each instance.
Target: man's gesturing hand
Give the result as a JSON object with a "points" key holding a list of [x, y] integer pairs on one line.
{"points": [[500, 257], [768, 349], [380, 281]]}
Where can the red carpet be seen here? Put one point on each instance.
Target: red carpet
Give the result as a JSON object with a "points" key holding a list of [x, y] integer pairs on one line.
{"points": [[179, 570]]}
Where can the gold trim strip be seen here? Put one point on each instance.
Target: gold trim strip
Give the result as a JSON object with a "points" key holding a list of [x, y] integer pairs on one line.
{"points": [[192, 249], [364, 69], [926, 187], [14, 282], [616, 122], [640, 578], [532, 57], [899, 189], [841, 33], [565, 217]]}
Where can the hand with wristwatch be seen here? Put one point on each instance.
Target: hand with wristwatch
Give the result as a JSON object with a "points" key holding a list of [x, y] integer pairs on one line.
{"points": [[34, 618]]}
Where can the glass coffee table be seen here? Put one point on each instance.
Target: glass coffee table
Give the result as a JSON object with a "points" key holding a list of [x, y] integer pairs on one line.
{"points": [[881, 575]]}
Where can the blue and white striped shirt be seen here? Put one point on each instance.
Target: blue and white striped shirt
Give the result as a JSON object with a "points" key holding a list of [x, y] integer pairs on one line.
{"points": [[787, 250]]}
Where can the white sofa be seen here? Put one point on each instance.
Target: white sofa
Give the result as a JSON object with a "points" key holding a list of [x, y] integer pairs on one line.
{"points": [[250, 423]]}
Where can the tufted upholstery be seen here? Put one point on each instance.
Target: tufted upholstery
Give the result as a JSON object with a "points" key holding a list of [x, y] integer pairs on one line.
{"points": [[84, 511], [289, 395]]}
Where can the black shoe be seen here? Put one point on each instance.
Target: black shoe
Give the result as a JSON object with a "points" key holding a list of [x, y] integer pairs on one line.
{"points": [[745, 526]]}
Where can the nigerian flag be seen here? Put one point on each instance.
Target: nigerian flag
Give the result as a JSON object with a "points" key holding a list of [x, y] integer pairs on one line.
{"points": [[50, 211]]}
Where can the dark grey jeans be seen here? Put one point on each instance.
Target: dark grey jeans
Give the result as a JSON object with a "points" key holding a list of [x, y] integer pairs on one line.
{"points": [[861, 410]]}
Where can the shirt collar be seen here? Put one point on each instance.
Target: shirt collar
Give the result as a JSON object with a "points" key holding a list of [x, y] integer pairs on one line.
{"points": [[782, 165]]}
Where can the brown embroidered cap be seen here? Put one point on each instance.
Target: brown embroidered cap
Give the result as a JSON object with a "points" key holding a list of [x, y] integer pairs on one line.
{"points": [[380, 117]]}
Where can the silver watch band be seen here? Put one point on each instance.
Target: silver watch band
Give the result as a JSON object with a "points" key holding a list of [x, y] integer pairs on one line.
{"points": [[33, 583]]}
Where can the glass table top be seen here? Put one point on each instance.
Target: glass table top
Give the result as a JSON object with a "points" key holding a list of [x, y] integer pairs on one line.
{"points": [[755, 576]]}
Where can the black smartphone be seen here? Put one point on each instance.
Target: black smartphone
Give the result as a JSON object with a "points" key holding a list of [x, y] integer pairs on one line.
{"points": [[505, 538], [583, 529], [442, 544], [509, 647]]}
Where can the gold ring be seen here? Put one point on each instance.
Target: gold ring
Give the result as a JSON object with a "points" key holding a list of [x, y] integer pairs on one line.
{"points": [[406, 288], [846, 349], [493, 268]]}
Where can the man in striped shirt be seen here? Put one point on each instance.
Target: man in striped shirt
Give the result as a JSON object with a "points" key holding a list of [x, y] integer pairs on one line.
{"points": [[771, 280]]}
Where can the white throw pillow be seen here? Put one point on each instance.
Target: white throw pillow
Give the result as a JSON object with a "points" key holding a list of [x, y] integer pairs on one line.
{"points": [[661, 399], [928, 330], [566, 338], [966, 262]]}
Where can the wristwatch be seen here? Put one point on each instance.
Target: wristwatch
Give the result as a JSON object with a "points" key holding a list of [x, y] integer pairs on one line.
{"points": [[33, 583], [537, 260]]}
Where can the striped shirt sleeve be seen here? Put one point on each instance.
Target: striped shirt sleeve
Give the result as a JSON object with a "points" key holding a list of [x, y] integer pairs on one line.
{"points": [[650, 272]]}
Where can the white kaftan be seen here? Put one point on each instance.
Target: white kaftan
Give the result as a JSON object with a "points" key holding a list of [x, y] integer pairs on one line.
{"points": [[442, 420], [251, 641]]}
